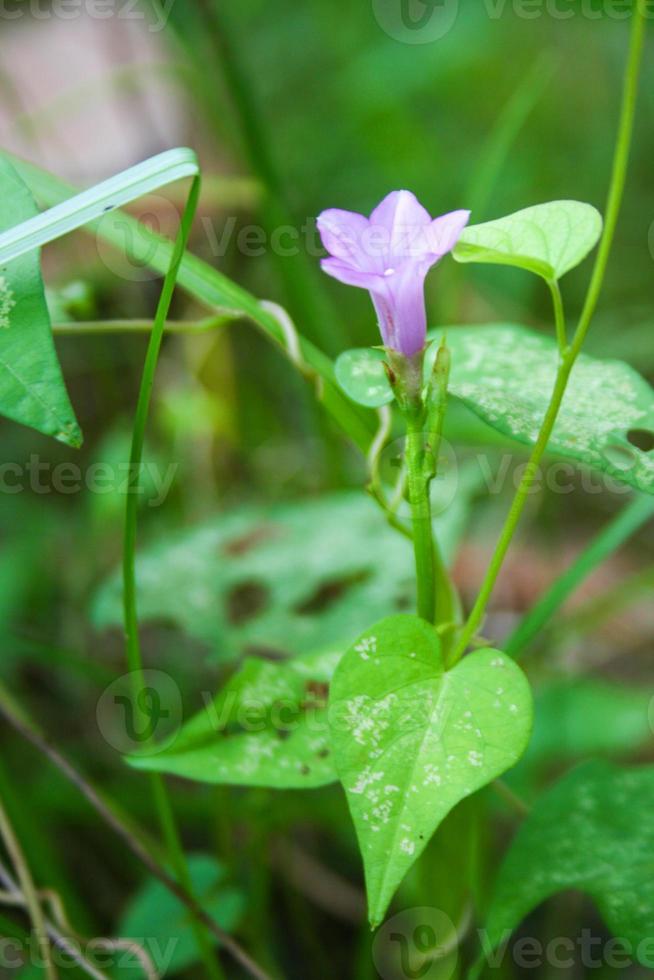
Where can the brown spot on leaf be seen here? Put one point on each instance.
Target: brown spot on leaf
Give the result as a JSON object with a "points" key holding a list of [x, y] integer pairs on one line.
{"points": [[266, 653], [317, 693], [642, 439], [247, 542], [245, 601], [330, 592]]}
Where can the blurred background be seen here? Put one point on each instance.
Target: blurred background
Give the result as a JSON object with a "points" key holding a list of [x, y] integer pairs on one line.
{"points": [[293, 108]]}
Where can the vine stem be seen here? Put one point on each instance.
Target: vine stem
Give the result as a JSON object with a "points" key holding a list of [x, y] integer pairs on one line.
{"points": [[559, 316], [73, 328], [37, 918], [567, 360], [423, 543], [134, 659]]}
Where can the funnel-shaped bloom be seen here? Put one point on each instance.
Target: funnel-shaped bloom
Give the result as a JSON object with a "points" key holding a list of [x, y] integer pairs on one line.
{"points": [[390, 254]]}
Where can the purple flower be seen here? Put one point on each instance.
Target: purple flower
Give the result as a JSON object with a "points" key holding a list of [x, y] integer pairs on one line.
{"points": [[390, 254]]}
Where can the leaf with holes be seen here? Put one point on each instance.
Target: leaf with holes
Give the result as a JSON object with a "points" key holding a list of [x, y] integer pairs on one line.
{"points": [[361, 374], [410, 740], [592, 832], [267, 727], [548, 239], [282, 580], [505, 374], [32, 390], [157, 915]]}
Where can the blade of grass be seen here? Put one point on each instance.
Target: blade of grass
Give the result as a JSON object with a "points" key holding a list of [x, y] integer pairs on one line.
{"points": [[59, 220], [85, 207], [134, 659], [213, 290], [607, 542], [305, 292]]}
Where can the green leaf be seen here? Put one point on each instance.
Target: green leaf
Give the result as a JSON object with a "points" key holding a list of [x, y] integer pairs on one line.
{"points": [[360, 373], [207, 284], [592, 832], [159, 922], [410, 741], [267, 727], [32, 389], [505, 374], [548, 239], [287, 579]]}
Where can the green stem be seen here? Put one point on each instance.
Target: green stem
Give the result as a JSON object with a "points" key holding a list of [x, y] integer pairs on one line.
{"points": [[619, 170], [73, 328], [448, 611], [134, 659], [559, 316], [423, 544], [621, 528], [616, 190]]}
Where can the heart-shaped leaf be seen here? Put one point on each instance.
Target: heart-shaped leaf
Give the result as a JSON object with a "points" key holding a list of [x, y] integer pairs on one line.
{"points": [[32, 390], [505, 373], [267, 727], [360, 373], [548, 239], [411, 740], [593, 832]]}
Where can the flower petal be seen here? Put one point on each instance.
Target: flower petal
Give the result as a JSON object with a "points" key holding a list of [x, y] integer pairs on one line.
{"points": [[349, 275], [342, 234], [399, 300], [444, 232], [404, 220]]}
